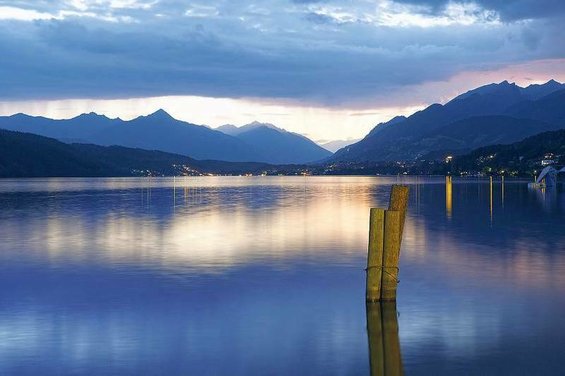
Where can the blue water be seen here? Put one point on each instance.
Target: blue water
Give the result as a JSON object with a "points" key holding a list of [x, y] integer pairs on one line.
{"points": [[265, 276]]}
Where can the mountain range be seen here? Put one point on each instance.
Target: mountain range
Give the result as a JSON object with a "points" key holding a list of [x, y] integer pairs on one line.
{"points": [[501, 113], [282, 146], [255, 142], [493, 114]]}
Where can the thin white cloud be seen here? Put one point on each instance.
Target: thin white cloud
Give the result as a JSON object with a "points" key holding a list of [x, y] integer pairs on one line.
{"points": [[19, 14], [84, 5], [201, 11]]}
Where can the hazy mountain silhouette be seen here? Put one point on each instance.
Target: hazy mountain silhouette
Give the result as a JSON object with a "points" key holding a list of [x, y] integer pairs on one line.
{"points": [[495, 113], [279, 146], [160, 131], [334, 146]]}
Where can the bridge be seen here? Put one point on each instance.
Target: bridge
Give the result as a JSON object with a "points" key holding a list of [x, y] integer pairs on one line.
{"points": [[548, 177]]}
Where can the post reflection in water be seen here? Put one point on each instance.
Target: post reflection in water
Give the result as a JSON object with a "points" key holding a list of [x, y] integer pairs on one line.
{"points": [[502, 190], [448, 196], [384, 345]]}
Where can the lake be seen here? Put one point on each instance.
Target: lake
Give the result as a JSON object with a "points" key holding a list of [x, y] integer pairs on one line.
{"points": [[265, 276]]}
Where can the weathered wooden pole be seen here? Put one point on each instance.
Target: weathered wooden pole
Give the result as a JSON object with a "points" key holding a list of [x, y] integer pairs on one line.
{"points": [[399, 202], [394, 228], [391, 254], [385, 236], [375, 254]]}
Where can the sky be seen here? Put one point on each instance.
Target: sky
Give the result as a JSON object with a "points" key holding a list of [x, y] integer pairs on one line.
{"points": [[329, 69]]}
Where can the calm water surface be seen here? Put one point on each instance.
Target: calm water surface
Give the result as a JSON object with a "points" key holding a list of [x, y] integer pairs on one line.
{"points": [[264, 276]]}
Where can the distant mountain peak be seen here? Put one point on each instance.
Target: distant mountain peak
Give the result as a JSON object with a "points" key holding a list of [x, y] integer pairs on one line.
{"points": [[91, 115], [233, 130], [550, 83], [537, 91], [503, 88], [21, 115], [160, 114], [257, 124], [507, 83]]}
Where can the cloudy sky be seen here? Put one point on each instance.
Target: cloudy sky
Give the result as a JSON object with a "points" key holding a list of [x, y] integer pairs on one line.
{"points": [[330, 69]]}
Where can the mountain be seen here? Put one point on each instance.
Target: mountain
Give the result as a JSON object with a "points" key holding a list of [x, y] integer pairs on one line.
{"points": [[79, 128], [228, 129], [334, 146], [486, 115], [474, 132], [536, 91], [233, 130], [550, 108], [279, 146], [30, 155], [160, 131]]}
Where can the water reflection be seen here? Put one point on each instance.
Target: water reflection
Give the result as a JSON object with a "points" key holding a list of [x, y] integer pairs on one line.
{"points": [[448, 196], [502, 190], [490, 198], [384, 345], [193, 276]]}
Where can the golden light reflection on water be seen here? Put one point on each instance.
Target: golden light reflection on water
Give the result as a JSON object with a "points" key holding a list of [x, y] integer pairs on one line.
{"points": [[448, 196], [218, 232], [218, 223]]}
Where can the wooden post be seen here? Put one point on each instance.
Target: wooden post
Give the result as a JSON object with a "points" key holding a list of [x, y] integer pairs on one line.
{"points": [[391, 255], [399, 202], [385, 236], [375, 254]]}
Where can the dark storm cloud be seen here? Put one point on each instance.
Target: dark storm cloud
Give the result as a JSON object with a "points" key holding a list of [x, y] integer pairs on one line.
{"points": [[329, 52]]}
